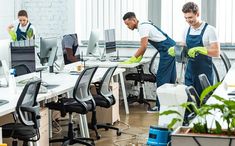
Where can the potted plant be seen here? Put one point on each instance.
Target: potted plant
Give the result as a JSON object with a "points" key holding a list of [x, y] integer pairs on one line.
{"points": [[213, 126]]}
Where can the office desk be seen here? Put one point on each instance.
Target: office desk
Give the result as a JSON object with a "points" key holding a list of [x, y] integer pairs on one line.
{"points": [[65, 83], [94, 62]]}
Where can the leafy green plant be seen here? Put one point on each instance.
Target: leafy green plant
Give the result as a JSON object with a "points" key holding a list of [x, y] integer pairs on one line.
{"points": [[225, 106]]}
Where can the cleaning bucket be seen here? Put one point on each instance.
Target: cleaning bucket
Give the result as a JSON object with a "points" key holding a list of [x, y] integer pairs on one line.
{"points": [[158, 136]]}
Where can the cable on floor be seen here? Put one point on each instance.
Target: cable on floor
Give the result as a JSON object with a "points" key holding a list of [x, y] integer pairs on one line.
{"points": [[134, 135], [56, 125]]}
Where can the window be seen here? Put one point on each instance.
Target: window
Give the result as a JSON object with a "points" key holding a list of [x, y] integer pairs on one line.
{"points": [[107, 14]]}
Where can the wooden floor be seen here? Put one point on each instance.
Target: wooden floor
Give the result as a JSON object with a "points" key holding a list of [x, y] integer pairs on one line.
{"points": [[133, 134]]}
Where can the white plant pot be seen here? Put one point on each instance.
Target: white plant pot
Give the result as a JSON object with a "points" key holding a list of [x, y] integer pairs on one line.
{"points": [[181, 137]]}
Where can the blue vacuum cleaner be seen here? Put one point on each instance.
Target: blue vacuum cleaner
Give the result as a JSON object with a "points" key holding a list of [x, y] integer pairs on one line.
{"points": [[158, 136]]}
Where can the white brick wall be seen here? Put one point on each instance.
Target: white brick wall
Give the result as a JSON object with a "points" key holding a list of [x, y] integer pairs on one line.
{"points": [[50, 17]]}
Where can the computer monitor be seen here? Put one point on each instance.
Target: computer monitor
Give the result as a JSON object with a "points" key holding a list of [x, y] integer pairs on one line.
{"points": [[23, 52], [5, 51], [110, 41], [48, 51], [93, 44]]}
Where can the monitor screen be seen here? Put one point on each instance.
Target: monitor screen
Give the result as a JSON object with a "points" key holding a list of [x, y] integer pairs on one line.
{"points": [[110, 42], [48, 51], [23, 52], [93, 44]]}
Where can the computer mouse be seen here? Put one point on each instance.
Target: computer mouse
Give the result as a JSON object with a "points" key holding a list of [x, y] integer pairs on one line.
{"points": [[45, 84]]}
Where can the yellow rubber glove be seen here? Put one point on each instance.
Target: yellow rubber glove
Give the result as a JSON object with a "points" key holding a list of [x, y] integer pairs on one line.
{"points": [[30, 33], [13, 35], [171, 51], [193, 51], [133, 59]]}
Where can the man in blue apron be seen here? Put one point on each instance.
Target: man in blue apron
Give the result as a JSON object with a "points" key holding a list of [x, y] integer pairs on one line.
{"points": [[166, 72], [202, 43], [70, 46], [21, 29]]}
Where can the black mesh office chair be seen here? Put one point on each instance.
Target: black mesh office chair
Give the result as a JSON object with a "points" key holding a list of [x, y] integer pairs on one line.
{"points": [[82, 102], [26, 116], [192, 97], [21, 69], [142, 77], [104, 98], [226, 61]]}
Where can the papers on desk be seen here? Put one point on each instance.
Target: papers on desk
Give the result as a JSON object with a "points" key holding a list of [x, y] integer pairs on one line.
{"points": [[25, 81]]}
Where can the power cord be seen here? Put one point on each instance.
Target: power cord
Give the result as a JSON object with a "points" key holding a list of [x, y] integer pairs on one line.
{"points": [[133, 135], [56, 125]]}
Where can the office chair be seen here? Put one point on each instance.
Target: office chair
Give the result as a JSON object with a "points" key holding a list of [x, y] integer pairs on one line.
{"points": [[142, 77], [192, 97], [21, 69], [105, 99], [82, 102], [26, 116], [226, 61]]}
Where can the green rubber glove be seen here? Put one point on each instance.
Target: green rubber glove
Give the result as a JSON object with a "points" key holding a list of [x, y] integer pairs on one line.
{"points": [[171, 51], [30, 33], [133, 59], [193, 51], [13, 35]]}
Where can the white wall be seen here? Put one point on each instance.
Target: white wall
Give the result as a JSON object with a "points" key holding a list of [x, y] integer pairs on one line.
{"points": [[51, 17], [7, 8]]}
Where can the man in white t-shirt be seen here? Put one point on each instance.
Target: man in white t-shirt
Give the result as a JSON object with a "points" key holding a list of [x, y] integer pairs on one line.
{"points": [[149, 33], [21, 29], [202, 43]]}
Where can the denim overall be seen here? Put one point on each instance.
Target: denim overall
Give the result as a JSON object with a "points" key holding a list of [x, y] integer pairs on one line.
{"points": [[200, 64], [22, 35], [166, 72], [74, 48]]}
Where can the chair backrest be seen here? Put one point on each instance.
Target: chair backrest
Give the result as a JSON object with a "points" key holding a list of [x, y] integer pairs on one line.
{"points": [[226, 61], [104, 86], [27, 107], [204, 81], [81, 91], [216, 73], [21, 69], [153, 64], [192, 95]]}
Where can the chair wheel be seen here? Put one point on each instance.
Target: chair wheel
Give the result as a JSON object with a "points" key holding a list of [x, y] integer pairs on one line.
{"points": [[98, 137], [119, 133], [106, 129]]}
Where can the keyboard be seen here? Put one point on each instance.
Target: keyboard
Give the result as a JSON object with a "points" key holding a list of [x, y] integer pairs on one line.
{"points": [[117, 60], [2, 102]]}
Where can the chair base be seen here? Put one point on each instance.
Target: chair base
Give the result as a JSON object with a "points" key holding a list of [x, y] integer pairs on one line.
{"points": [[131, 99], [109, 126]]}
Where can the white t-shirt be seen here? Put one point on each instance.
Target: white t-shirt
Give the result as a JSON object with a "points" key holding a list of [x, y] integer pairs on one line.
{"points": [[209, 36], [148, 30], [23, 28]]}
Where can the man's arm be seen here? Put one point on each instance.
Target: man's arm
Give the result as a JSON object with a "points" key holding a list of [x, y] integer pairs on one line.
{"points": [[214, 49], [143, 47], [70, 55]]}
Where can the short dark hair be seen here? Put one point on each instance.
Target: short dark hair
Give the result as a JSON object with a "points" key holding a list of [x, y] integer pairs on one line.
{"points": [[22, 13], [190, 7], [129, 15]]}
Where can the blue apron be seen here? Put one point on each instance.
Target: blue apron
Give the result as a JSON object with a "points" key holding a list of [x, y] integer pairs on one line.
{"points": [[166, 72], [74, 48], [200, 64], [22, 35]]}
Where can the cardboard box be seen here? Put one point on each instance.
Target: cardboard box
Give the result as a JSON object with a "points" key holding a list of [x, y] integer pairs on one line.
{"points": [[107, 115]]}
